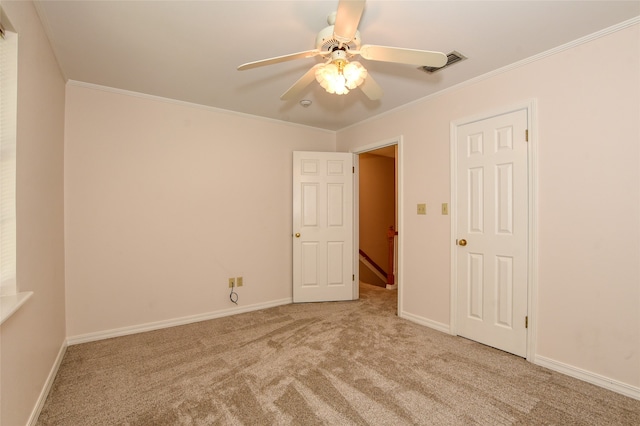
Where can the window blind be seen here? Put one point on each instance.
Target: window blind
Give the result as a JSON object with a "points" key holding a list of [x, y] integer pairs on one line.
{"points": [[8, 103]]}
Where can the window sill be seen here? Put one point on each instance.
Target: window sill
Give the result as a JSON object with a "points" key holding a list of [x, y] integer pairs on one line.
{"points": [[10, 304]]}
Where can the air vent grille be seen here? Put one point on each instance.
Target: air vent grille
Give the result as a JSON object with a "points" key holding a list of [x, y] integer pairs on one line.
{"points": [[452, 58]]}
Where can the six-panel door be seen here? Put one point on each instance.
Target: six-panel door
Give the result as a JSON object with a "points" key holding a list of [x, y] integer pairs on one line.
{"points": [[492, 200], [322, 226]]}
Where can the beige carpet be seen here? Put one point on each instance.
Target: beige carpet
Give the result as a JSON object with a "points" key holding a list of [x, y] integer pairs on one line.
{"points": [[310, 364]]}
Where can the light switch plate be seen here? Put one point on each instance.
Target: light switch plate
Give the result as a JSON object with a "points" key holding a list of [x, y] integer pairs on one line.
{"points": [[422, 208], [445, 208]]}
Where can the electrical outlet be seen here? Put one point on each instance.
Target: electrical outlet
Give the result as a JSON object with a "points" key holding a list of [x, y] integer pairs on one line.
{"points": [[422, 209], [445, 208], [232, 282], [239, 281]]}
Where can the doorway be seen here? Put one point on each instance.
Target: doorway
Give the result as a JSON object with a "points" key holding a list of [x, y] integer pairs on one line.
{"points": [[378, 216]]}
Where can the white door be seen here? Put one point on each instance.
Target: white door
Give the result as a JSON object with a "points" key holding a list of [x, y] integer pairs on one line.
{"points": [[492, 231], [322, 226]]}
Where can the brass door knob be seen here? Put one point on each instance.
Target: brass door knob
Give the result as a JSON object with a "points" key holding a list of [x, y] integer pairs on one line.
{"points": [[297, 235], [462, 243]]}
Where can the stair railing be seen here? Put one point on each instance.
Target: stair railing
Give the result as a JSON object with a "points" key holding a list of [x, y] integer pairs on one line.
{"points": [[391, 236]]}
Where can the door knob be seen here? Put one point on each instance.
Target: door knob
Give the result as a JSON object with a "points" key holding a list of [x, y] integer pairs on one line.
{"points": [[462, 243], [297, 235]]}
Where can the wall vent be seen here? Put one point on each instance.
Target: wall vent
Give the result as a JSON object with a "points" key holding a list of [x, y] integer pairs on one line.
{"points": [[452, 58]]}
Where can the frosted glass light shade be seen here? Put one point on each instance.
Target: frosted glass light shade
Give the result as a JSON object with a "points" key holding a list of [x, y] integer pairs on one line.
{"points": [[354, 74], [339, 80]]}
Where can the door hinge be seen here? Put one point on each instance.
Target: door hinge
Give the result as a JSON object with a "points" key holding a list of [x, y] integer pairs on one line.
{"points": [[353, 277], [526, 135], [353, 169], [526, 322]]}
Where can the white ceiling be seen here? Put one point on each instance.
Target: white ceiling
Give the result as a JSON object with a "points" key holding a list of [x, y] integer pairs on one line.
{"points": [[189, 50]]}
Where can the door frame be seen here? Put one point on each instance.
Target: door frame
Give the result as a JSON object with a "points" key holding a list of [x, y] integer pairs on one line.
{"points": [[532, 237], [356, 210]]}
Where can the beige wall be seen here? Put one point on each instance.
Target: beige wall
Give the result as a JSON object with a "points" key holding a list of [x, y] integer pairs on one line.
{"points": [[377, 206], [165, 201], [32, 338], [589, 198]]}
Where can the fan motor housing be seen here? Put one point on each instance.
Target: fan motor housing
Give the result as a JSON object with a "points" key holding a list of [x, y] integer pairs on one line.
{"points": [[325, 42]]}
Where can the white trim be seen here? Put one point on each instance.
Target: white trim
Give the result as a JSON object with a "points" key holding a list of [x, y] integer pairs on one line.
{"points": [[150, 326], [44, 393], [398, 140], [532, 295], [355, 243], [10, 303], [377, 145], [426, 322], [190, 105], [370, 267], [507, 68], [453, 223], [589, 377], [530, 107], [400, 239]]}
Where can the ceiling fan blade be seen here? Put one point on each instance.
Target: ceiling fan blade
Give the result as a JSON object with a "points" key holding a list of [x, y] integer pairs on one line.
{"points": [[370, 88], [347, 19], [403, 56], [297, 88], [277, 59]]}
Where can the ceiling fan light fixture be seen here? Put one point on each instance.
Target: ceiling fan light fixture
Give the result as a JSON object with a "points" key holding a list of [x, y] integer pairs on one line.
{"points": [[340, 76], [354, 74], [338, 43]]}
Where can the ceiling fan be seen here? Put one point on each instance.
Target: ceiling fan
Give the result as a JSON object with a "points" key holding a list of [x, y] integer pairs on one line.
{"points": [[338, 44]]}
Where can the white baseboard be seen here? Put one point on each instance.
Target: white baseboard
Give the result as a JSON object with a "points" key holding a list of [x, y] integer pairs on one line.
{"points": [[426, 322], [589, 377], [141, 328], [42, 398], [569, 370], [392, 286]]}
